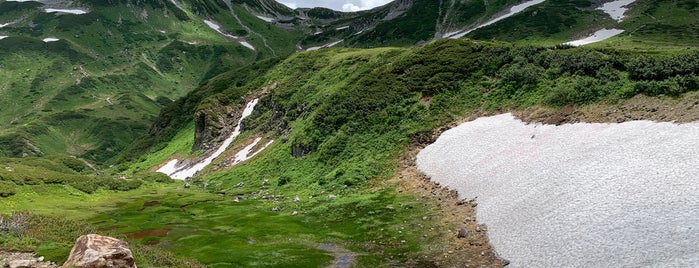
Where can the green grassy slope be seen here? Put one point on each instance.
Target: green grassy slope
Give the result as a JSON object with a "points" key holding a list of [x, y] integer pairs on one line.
{"points": [[100, 86], [648, 25]]}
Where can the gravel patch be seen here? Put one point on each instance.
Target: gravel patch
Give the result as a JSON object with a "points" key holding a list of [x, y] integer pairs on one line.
{"points": [[577, 195]]}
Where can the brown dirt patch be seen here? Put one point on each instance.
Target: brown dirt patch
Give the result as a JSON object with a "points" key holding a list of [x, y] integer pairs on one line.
{"points": [[149, 233], [662, 109], [471, 248]]}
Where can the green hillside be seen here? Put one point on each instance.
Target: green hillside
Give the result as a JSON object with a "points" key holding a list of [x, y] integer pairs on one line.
{"points": [[132, 85], [111, 71]]}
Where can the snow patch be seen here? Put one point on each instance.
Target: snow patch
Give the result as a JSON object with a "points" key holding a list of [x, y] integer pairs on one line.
{"points": [[68, 11], [267, 19], [341, 28], [616, 9], [596, 37], [3, 37], [245, 153], [216, 27], [513, 10], [177, 4], [577, 195], [325, 46], [183, 172], [50, 39], [248, 45], [3, 25]]}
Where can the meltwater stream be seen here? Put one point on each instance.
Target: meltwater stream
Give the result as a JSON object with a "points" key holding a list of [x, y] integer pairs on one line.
{"points": [[183, 172], [577, 195]]}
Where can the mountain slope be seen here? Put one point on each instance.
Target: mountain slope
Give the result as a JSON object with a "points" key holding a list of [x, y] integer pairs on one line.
{"points": [[90, 83], [339, 119]]}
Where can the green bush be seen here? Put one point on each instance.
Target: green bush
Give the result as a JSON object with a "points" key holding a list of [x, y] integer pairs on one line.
{"points": [[7, 188], [84, 185]]}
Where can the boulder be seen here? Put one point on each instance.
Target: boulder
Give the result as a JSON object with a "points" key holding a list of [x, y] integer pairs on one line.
{"points": [[96, 251]]}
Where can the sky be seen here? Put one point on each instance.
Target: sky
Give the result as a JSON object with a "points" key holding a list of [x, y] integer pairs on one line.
{"points": [[341, 5]]}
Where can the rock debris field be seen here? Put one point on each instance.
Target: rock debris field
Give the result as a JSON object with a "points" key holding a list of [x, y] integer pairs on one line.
{"points": [[577, 195]]}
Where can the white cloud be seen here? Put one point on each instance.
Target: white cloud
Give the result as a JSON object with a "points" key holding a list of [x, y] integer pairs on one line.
{"points": [[341, 5], [291, 5], [349, 7]]}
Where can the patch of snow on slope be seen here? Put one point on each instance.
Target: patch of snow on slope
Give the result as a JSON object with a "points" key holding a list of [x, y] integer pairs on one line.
{"points": [[50, 39], [577, 195], [267, 19], [3, 25], [182, 173], [341, 28], [325, 46], [596, 37], [245, 153], [616, 9], [3, 37], [514, 10], [177, 4], [69, 11], [216, 27], [248, 45]]}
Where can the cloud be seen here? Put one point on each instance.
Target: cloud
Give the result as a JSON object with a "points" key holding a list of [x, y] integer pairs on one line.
{"points": [[363, 5], [341, 5], [291, 5], [349, 7]]}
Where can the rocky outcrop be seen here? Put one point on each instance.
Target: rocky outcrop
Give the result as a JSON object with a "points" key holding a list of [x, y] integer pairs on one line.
{"points": [[96, 251], [212, 124], [23, 259]]}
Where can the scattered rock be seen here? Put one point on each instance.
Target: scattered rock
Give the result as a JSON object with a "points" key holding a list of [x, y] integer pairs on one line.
{"points": [[22, 263], [297, 199], [294, 213], [331, 196], [462, 233], [505, 262], [275, 209], [239, 185], [187, 185], [96, 251]]}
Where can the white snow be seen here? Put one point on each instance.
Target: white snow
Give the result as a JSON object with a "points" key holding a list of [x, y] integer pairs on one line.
{"points": [[513, 10], [69, 11], [248, 45], [3, 25], [596, 37], [245, 153], [267, 19], [169, 168], [616, 9], [325, 46], [177, 4], [50, 39], [341, 28], [182, 173], [577, 195], [3, 37], [216, 27]]}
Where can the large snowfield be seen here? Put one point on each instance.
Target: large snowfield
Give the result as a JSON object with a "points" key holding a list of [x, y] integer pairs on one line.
{"points": [[577, 195]]}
